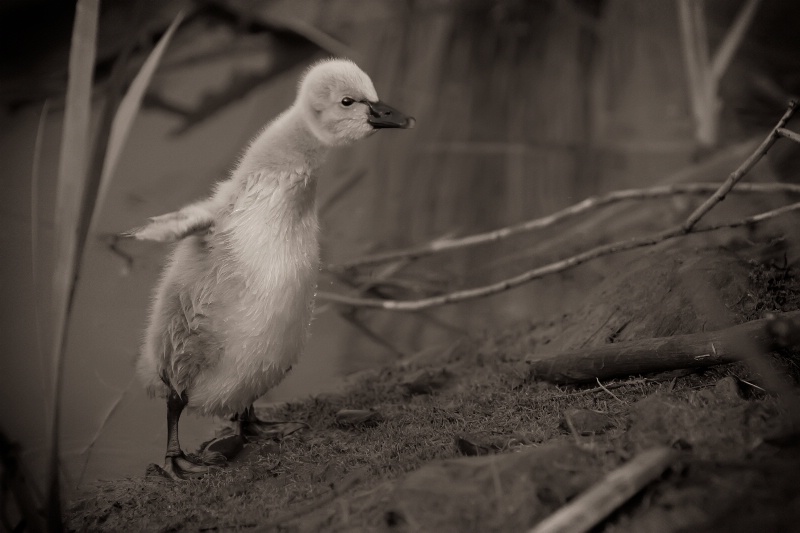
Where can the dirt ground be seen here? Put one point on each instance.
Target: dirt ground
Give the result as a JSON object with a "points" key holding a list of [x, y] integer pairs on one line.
{"points": [[460, 438]]}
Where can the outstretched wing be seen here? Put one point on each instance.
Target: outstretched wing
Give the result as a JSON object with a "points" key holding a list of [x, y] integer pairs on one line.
{"points": [[191, 220]]}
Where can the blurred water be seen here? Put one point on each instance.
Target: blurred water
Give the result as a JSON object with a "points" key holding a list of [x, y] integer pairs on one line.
{"points": [[483, 155]]}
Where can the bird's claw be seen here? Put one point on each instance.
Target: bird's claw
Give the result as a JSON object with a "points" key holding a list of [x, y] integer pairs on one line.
{"points": [[185, 466]]}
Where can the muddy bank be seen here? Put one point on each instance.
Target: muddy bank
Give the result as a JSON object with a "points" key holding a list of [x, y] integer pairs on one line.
{"points": [[460, 438]]}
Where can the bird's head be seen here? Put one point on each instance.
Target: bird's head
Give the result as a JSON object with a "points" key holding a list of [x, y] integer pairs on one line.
{"points": [[340, 105]]}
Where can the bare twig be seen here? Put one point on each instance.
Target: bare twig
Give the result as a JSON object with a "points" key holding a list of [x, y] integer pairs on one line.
{"points": [[552, 268], [789, 134], [445, 244], [603, 387], [751, 384], [591, 507], [606, 388], [739, 173]]}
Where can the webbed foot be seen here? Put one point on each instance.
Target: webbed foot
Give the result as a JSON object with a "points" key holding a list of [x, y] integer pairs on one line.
{"points": [[251, 426], [222, 449], [177, 464], [181, 467]]}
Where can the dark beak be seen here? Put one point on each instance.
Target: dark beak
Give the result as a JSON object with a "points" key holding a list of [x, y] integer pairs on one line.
{"points": [[384, 116]]}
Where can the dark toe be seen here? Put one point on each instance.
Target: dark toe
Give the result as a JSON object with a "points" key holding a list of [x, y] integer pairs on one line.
{"points": [[180, 468], [222, 449]]}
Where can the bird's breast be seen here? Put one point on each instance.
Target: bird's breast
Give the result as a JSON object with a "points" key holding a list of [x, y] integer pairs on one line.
{"points": [[267, 256]]}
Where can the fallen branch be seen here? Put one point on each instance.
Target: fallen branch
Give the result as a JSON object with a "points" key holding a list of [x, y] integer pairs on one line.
{"points": [[591, 507], [646, 356], [441, 245], [552, 268]]}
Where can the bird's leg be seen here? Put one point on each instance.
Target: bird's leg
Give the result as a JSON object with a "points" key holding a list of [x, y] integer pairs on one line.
{"points": [[176, 464], [246, 424]]}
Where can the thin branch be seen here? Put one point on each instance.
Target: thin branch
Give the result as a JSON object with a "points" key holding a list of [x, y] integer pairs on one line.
{"points": [[603, 387], [739, 173], [552, 268], [606, 388], [441, 245], [789, 134], [591, 507], [595, 202]]}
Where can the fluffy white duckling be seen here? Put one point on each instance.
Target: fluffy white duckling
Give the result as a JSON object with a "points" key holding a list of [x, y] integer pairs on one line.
{"points": [[231, 312]]}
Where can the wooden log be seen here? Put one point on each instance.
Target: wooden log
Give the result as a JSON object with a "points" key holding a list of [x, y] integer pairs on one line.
{"points": [[594, 505], [647, 356]]}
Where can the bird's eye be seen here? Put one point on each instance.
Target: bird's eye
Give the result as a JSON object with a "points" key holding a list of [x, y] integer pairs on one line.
{"points": [[347, 101]]}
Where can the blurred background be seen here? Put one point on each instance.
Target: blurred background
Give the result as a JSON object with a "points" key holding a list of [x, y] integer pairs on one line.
{"points": [[523, 108]]}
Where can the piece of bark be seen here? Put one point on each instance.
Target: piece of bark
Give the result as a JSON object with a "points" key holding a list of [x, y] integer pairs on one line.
{"points": [[667, 353], [594, 505], [728, 388]]}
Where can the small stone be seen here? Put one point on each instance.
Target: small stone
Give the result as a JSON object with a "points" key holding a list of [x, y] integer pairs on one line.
{"points": [[728, 389], [586, 422]]}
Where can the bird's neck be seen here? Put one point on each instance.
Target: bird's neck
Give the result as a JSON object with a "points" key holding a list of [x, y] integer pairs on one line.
{"points": [[286, 143]]}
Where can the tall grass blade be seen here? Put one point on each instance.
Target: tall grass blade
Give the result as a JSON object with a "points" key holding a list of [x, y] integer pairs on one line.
{"points": [[69, 192], [37, 318], [126, 114], [733, 39], [77, 196]]}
